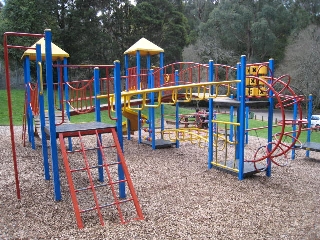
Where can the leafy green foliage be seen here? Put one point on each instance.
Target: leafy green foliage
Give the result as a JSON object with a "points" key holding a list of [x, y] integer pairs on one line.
{"points": [[258, 29], [161, 23]]}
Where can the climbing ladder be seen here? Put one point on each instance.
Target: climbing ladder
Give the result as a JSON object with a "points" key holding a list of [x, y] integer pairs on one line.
{"points": [[82, 169]]}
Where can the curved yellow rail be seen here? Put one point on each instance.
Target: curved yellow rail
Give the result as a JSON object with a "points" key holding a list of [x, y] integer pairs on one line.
{"points": [[196, 136], [181, 93]]}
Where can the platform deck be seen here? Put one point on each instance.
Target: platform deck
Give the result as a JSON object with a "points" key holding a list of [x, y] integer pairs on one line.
{"points": [[72, 129], [312, 146], [160, 143], [248, 168]]}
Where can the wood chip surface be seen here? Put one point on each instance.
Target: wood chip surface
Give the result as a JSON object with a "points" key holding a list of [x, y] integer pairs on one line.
{"points": [[180, 198]]}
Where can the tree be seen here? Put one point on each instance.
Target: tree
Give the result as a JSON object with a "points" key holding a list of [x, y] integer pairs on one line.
{"points": [[197, 11], [258, 29], [162, 24], [81, 30], [311, 7], [302, 63], [25, 16]]}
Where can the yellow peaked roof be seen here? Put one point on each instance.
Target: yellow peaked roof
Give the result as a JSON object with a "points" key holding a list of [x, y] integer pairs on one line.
{"points": [[145, 47], [57, 53]]}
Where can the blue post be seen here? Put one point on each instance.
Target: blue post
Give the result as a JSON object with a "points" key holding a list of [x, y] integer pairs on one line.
{"points": [[270, 116], [176, 80], [151, 116], [161, 85], [294, 127], [211, 132], [42, 116], [117, 91], [242, 116], [66, 88], [237, 147], [309, 122], [51, 113], [151, 111], [96, 76], [139, 96], [29, 114]]}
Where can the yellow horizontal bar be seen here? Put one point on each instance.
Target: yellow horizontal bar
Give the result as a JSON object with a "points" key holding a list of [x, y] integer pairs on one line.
{"points": [[223, 122], [225, 167], [101, 96]]}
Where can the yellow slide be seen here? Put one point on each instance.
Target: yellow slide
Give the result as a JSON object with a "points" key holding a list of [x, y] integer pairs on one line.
{"points": [[133, 117]]}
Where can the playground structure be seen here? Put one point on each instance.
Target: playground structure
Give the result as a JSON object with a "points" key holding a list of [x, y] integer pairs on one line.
{"points": [[253, 85]]}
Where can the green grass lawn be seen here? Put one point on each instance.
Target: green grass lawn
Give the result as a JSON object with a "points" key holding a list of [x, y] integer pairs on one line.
{"points": [[18, 111], [17, 97]]}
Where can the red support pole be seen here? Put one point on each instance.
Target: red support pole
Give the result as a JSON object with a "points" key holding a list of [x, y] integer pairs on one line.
{"points": [[7, 73], [14, 154]]}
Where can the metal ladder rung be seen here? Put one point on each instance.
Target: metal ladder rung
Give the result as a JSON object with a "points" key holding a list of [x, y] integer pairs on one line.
{"points": [[116, 203], [100, 185], [88, 209], [106, 205], [83, 189], [90, 149], [93, 167], [91, 184]]}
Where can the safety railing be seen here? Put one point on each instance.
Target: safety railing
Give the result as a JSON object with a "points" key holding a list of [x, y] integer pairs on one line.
{"points": [[181, 93]]}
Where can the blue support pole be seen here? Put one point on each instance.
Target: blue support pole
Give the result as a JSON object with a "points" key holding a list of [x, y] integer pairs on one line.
{"points": [[138, 60], [66, 88], [176, 80], [51, 113], [29, 114], [211, 132], [96, 77], [294, 127], [237, 147], [309, 122], [118, 108], [151, 119], [161, 85], [242, 116], [42, 115], [151, 111], [270, 116]]}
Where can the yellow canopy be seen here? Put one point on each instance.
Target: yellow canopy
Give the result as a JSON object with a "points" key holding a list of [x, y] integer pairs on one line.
{"points": [[145, 47], [57, 53]]}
